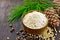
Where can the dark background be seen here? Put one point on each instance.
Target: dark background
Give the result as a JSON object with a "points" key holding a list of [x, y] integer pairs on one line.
{"points": [[5, 6]]}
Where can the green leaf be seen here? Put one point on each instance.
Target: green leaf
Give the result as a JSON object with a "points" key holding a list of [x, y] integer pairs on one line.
{"points": [[28, 5]]}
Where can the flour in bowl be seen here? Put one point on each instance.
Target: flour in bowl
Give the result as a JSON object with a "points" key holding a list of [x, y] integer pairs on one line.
{"points": [[35, 20]]}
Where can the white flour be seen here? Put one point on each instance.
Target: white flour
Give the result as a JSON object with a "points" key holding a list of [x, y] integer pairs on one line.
{"points": [[35, 20]]}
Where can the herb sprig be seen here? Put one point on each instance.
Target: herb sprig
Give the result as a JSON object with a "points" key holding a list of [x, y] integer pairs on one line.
{"points": [[28, 5]]}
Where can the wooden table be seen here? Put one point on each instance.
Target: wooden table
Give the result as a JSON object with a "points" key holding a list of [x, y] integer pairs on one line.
{"points": [[5, 6]]}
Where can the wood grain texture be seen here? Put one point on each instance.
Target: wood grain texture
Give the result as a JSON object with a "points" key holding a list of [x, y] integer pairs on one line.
{"points": [[5, 6]]}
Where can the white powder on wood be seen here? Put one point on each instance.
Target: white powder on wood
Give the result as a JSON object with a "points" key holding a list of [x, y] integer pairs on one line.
{"points": [[35, 20]]}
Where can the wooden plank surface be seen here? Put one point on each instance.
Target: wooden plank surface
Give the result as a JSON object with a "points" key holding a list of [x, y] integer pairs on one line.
{"points": [[5, 6]]}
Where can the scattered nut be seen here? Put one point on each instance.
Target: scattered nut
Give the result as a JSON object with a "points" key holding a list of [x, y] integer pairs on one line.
{"points": [[55, 34], [10, 25], [18, 38], [21, 30], [8, 38], [12, 29], [59, 31], [17, 33], [21, 38], [24, 38], [23, 33]]}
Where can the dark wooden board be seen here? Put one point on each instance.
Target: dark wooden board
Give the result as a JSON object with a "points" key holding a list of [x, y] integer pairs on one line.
{"points": [[5, 6]]}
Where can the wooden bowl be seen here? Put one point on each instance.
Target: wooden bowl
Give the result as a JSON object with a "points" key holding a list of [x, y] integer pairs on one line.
{"points": [[33, 31]]}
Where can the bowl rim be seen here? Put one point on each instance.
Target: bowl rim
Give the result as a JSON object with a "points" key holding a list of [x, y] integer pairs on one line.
{"points": [[30, 12]]}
